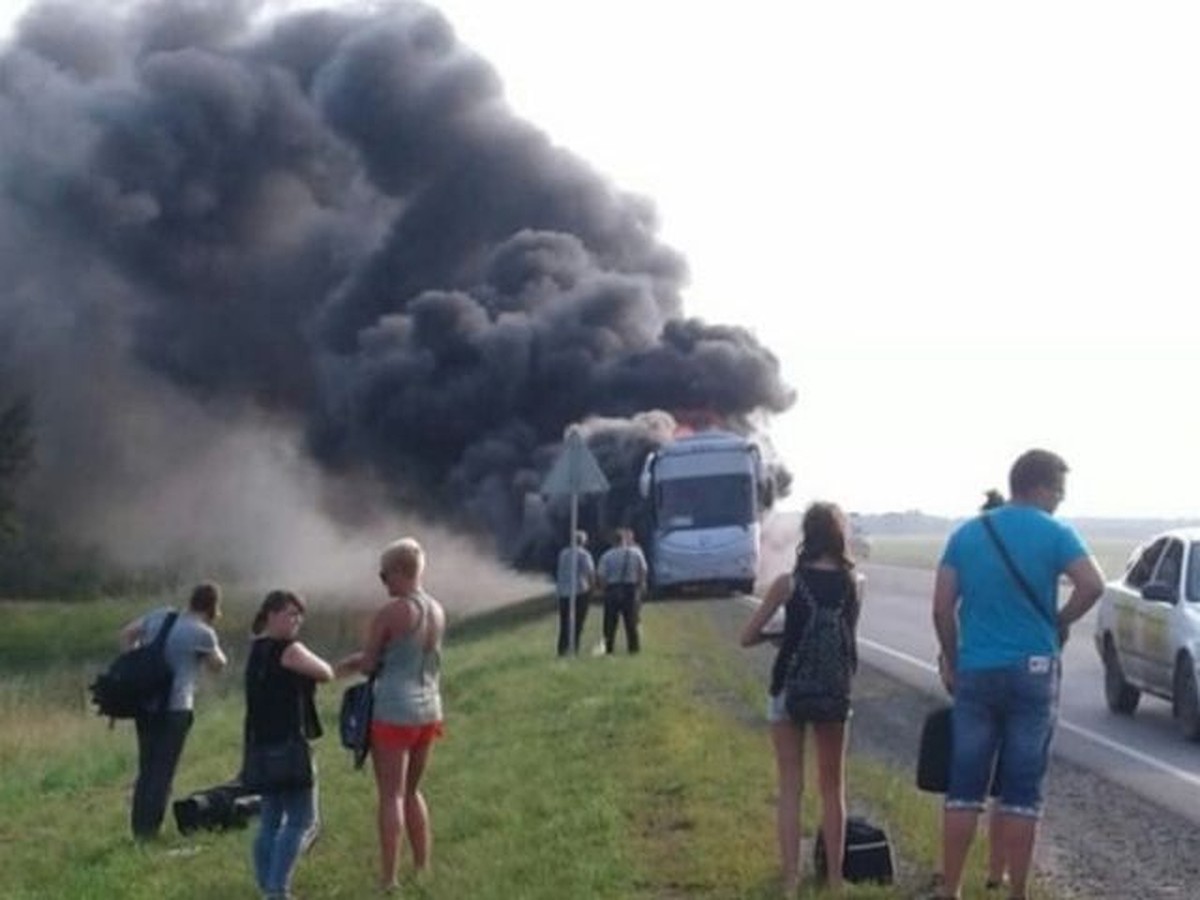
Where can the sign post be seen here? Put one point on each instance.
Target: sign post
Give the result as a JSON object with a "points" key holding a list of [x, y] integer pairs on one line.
{"points": [[575, 472]]}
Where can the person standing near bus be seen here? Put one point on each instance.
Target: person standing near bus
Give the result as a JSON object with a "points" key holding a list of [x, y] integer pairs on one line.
{"points": [[1001, 631], [822, 582], [622, 574], [576, 573]]}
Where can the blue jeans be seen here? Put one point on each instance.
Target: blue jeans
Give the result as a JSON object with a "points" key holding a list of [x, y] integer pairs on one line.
{"points": [[1008, 711], [288, 825]]}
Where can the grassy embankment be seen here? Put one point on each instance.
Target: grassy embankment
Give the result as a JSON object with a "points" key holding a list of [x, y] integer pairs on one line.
{"points": [[923, 551], [644, 777]]}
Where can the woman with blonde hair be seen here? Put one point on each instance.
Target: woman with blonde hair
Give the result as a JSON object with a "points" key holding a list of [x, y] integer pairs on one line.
{"points": [[823, 577], [403, 648]]}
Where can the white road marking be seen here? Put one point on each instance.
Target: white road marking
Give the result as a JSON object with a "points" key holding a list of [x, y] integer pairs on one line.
{"points": [[1086, 733], [897, 654], [1116, 746]]}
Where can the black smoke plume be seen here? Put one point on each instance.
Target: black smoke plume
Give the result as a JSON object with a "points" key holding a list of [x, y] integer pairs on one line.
{"points": [[327, 230]]}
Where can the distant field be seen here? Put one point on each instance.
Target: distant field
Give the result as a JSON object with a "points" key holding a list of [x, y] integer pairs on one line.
{"points": [[923, 551]]}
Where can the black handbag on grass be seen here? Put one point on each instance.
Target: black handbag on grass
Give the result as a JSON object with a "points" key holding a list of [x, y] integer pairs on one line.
{"points": [[867, 856]]}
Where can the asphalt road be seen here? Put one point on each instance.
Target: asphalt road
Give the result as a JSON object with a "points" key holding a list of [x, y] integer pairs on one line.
{"points": [[1143, 752]]}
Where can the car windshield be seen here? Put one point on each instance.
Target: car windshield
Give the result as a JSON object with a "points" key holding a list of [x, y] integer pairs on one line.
{"points": [[708, 502], [1192, 587]]}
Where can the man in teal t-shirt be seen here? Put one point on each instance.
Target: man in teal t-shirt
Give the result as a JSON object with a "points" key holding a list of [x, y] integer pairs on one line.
{"points": [[1000, 642]]}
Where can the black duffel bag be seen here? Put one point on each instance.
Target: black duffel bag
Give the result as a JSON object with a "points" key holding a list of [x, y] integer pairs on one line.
{"points": [[868, 854]]}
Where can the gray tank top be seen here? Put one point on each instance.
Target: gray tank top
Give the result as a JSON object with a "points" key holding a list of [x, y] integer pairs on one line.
{"points": [[407, 690]]}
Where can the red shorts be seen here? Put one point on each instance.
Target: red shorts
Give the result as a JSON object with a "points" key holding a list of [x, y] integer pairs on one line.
{"points": [[404, 737]]}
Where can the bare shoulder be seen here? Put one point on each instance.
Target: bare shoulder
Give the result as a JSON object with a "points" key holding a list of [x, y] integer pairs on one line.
{"points": [[780, 588], [438, 614], [393, 618]]}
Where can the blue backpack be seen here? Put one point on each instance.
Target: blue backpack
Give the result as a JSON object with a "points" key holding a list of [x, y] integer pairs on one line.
{"points": [[354, 719]]}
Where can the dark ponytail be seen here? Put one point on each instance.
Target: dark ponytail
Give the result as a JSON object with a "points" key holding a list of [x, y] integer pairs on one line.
{"points": [[273, 603]]}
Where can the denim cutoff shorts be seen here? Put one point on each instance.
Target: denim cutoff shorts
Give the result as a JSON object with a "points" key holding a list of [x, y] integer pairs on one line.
{"points": [[1010, 711]]}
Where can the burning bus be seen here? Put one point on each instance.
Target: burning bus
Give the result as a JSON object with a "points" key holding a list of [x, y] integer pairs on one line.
{"points": [[704, 494]]}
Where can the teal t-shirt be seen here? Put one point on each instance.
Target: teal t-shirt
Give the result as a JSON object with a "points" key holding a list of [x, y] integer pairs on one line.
{"points": [[997, 625]]}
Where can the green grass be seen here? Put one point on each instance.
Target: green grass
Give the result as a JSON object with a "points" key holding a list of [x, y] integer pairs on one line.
{"points": [[923, 552], [621, 777]]}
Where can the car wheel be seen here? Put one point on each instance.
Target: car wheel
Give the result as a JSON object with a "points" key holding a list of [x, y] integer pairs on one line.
{"points": [[1121, 696], [1187, 699]]}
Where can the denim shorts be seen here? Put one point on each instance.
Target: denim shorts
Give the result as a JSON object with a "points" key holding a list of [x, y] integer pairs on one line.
{"points": [[1008, 711], [777, 709]]}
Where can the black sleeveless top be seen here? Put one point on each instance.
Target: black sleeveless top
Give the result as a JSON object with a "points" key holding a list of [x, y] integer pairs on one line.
{"points": [[829, 587], [279, 702]]}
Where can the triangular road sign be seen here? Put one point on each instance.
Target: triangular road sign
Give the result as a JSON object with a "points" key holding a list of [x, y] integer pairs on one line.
{"points": [[576, 470]]}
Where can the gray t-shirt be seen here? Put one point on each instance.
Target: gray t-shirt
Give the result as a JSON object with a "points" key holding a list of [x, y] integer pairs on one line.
{"points": [[188, 643], [585, 574]]}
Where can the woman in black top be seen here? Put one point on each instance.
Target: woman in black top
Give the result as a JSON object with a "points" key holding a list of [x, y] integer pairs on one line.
{"points": [[827, 571], [281, 678]]}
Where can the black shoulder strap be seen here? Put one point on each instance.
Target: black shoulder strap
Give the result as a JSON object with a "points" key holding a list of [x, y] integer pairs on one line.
{"points": [[160, 639], [801, 587], [1016, 574]]}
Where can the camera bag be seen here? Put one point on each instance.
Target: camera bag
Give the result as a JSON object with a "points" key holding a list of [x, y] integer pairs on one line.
{"points": [[139, 680]]}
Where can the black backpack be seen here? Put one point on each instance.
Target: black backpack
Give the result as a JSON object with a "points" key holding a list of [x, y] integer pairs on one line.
{"points": [[817, 687], [139, 680]]}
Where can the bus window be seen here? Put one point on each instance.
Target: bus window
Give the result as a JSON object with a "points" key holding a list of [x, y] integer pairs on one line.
{"points": [[711, 501]]}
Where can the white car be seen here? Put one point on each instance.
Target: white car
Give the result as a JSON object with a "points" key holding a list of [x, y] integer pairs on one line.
{"points": [[1148, 629]]}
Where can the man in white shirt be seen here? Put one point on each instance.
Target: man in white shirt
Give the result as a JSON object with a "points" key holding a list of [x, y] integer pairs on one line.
{"points": [[622, 574]]}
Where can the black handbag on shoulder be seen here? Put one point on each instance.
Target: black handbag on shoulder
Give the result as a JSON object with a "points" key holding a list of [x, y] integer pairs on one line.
{"points": [[280, 765], [354, 719], [283, 766]]}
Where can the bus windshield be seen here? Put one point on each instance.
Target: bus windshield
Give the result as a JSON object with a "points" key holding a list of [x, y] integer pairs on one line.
{"points": [[710, 501]]}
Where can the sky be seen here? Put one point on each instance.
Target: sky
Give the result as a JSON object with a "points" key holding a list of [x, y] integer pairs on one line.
{"points": [[964, 229]]}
